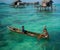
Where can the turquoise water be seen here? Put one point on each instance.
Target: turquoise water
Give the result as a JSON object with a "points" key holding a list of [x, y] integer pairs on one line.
{"points": [[33, 20]]}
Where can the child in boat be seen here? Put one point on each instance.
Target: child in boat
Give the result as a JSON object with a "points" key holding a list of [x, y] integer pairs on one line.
{"points": [[45, 32], [24, 31]]}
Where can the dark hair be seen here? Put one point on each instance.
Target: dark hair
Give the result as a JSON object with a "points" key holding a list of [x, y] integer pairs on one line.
{"points": [[22, 26]]}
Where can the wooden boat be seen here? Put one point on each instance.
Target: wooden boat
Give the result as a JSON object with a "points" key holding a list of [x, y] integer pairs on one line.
{"points": [[29, 33]]}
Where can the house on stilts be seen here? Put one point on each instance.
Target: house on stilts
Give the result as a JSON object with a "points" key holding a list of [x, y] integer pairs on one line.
{"points": [[46, 4], [18, 3]]}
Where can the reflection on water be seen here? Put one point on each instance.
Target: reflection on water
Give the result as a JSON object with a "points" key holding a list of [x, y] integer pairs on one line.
{"points": [[33, 20]]}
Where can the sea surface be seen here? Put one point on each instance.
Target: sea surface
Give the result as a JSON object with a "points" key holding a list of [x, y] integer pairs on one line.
{"points": [[33, 20]]}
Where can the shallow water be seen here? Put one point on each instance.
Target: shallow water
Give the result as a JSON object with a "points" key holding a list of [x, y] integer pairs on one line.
{"points": [[33, 19]]}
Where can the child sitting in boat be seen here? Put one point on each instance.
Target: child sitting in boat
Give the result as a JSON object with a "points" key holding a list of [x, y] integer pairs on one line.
{"points": [[27, 32], [45, 33], [24, 31]]}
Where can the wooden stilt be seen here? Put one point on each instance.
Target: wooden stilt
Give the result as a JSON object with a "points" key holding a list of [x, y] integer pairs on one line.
{"points": [[51, 7]]}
